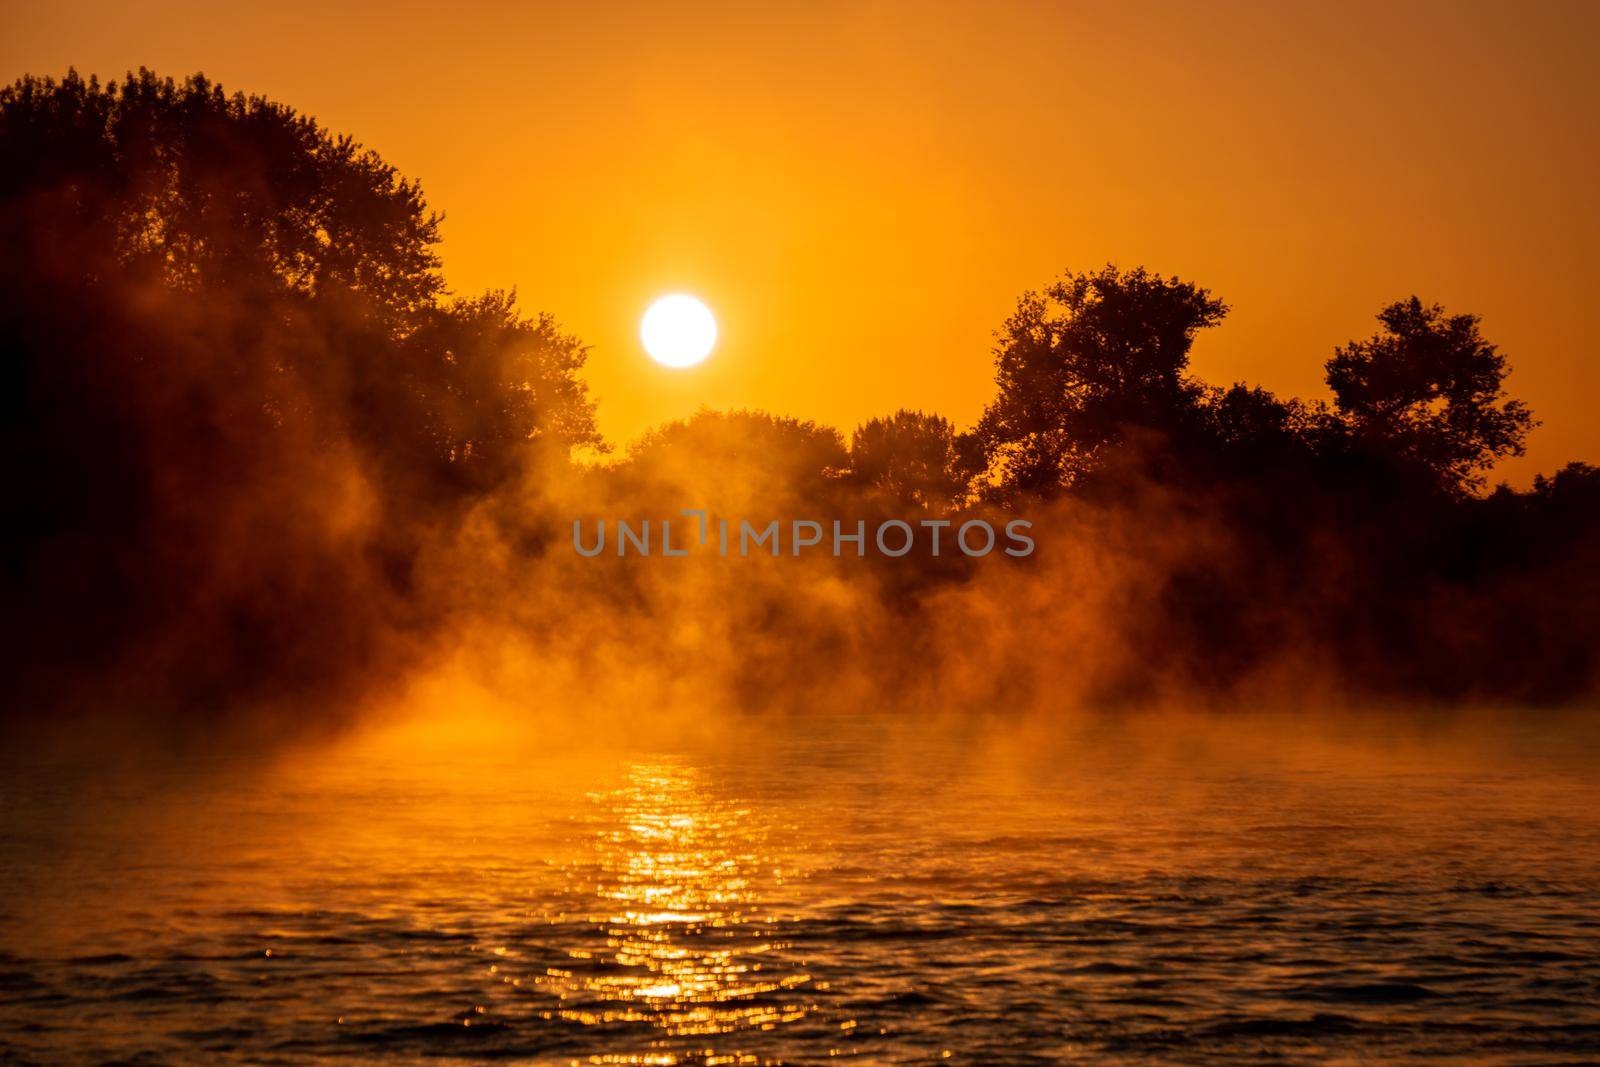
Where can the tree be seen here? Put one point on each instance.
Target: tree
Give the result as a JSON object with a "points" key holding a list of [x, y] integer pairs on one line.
{"points": [[1084, 363], [1573, 483], [911, 456], [742, 463], [237, 398], [189, 185], [318, 254], [1428, 390], [1249, 431], [505, 382]]}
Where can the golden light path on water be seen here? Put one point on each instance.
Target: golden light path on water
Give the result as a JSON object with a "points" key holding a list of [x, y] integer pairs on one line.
{"points": [[685, 942], [849, 889]]}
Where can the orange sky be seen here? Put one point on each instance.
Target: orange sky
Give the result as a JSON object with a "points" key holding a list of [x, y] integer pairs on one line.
{"points": [[860, 191]]}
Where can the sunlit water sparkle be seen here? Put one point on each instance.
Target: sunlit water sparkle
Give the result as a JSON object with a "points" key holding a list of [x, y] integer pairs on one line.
{"points": [[832, 896]]}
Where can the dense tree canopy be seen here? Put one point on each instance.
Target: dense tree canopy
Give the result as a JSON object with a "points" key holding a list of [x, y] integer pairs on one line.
{"points": [[738, 461], [913, 457], [236, 391], [1087, 361], [248, 428], [324, 253], [1429, 389]]}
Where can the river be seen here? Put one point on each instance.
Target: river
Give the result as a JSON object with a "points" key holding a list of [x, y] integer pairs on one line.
{"points": [[827, 889]]}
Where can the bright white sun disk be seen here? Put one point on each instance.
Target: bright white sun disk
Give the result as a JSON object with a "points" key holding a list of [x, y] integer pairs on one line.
{"points": [[678, 331]]}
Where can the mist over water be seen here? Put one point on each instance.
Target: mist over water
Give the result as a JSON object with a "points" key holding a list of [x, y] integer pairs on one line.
{"points": [[326, 744], [1167, 889], [274, 474]]}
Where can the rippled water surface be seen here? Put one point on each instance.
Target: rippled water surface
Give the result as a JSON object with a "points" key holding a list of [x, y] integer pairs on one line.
{"points": [[829, 891]]}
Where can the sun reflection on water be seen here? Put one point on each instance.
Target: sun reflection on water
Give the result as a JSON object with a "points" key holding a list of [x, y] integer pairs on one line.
{"points": [[678, 936]]}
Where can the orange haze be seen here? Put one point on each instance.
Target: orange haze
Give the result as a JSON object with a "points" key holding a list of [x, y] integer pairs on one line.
{"points": [[860, 191]]}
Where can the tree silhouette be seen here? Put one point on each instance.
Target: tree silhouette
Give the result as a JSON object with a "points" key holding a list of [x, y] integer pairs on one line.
{"points": [[322, 248], [739, 459], [237, 397], [1084, 363], [1428, 389], [910, 456], [193, 186], [504, 382], [247, 431]]}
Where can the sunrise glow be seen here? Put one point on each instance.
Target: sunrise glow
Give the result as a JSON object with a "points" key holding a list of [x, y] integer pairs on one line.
{"points": [[678, 331]]}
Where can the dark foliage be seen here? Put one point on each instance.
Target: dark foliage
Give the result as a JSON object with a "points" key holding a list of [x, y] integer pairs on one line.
{"points": [[237, 397], [1352, 536], [1083, 365], [1427, 390], [242, 413]]}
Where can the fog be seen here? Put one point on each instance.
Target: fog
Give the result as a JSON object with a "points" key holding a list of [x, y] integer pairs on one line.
{"points": [[275, 483]]}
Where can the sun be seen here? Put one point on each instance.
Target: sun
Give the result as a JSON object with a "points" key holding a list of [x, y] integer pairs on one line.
{"points": [[678, 331]]}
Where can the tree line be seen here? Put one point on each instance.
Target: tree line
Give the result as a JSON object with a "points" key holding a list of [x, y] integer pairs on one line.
{"points": [[242, 409]]}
